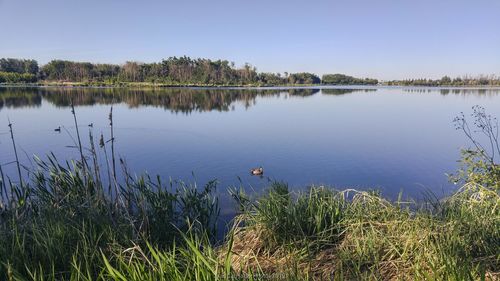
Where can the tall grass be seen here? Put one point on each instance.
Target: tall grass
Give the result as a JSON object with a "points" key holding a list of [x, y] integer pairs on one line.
{"points": [[359, 235], [65, 218], [67, 223], [69, 229], [310, 219]]}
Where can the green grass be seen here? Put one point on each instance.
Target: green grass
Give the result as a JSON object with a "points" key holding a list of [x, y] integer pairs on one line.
{"points": [[61, 220], [67, 222], [359, 235], [61, 227]]}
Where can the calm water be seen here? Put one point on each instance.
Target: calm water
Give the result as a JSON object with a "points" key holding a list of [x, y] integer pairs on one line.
{"points": [[392, 139]]}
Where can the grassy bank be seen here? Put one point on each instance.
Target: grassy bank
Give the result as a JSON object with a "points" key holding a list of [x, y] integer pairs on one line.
{"points": [[65, 223], [353, 235], [85, 220], [60, 226]]}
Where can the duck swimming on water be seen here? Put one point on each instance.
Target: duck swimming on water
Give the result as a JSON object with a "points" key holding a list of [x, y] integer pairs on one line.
{"points": [[58, 129], [257, 171]]}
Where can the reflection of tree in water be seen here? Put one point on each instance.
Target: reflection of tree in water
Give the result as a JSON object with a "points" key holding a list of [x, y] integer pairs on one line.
{"points": [[302, 92], [15, 99], [459, 91], [345, 91], [184, 100]]}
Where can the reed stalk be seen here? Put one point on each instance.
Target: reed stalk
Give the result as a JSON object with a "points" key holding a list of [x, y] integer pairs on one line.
{"points": [[18, 165], [80, 147]]}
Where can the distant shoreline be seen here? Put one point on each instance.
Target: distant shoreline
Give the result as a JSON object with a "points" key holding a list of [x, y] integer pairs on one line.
{"points": [[188, 72], [209, 86]]}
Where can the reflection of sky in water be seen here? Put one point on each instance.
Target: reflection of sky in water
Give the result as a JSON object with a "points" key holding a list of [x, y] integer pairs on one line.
{"points": [[394, 139]]}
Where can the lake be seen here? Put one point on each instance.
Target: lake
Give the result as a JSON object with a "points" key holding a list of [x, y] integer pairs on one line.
{"points": [[393, 139]]}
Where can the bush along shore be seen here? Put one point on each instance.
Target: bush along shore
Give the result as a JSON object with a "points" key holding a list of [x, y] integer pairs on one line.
{"points": [[85, 220]]}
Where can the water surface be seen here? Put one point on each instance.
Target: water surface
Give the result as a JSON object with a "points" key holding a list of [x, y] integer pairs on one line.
{"points": [[391, 139]]}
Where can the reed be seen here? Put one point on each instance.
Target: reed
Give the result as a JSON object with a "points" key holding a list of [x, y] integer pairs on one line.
{"points": [[80, 147], [65, 222], [18, 165], [67, 230], [64, 217]]}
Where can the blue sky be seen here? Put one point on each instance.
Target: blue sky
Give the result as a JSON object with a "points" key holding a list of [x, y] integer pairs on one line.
{"points": [[382, 39]]}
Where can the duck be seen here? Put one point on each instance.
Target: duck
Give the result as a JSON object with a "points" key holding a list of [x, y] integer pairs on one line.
{"points": [[257, 171], [91, 125], [58, 129]]}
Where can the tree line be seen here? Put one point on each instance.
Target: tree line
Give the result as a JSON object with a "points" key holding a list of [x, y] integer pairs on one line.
{"points": [[171, 71], [197, 72], [341, 79], [481, 80], [18, 70]]}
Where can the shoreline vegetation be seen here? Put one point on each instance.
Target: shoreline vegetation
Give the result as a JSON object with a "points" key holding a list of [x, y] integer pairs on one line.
{"points": [[87, 220], [188, 72]]}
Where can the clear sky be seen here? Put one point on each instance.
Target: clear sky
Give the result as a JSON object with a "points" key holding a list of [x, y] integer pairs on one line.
{"points": [[369, 38]]}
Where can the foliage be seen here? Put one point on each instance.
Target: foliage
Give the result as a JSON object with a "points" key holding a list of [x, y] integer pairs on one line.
{"points": [[479, 163], [482, 80], [270, 79], [474, 167], [341, 79], [303, 78], [185, 71], [18, 71], [310, 218], [172, 71], [453, 239], [19, 66], [14, 77], [63, 219], [68, 223], [78, 71]]}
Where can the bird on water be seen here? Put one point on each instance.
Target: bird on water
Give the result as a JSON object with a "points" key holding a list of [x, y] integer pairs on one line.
{"points": [[257, 171]]}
